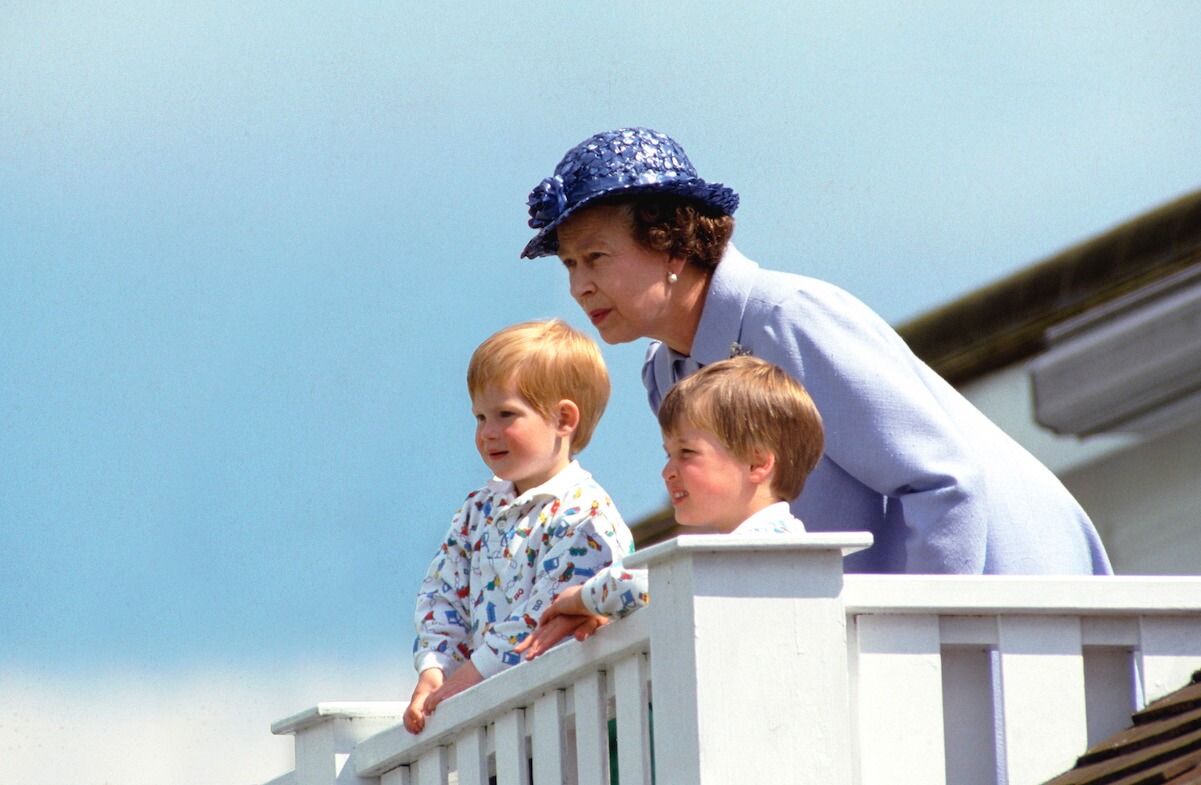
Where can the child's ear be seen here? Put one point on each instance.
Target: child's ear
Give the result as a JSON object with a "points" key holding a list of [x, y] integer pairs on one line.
{"points": [[569, 418], [763, 465]]}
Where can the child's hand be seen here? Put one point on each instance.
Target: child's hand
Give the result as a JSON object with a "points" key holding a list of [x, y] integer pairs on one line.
{"points": [[569, 603], [414, 717], [565, 616], [551, 632], [464, 677]]}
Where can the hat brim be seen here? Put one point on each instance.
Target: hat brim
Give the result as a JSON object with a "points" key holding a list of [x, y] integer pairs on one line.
{"points": [[714, 195]]}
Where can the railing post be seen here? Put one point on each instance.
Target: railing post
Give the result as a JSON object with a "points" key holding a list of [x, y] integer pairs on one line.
{"points": [[325, 735], [749, 658]]}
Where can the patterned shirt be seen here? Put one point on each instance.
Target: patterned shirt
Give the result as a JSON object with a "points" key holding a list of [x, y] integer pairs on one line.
{"points": [[617, 592], [504, 560]]}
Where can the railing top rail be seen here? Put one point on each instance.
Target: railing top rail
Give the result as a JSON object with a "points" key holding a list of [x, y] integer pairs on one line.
{"points": [[1025, 594], [353, 710], [511, 689], [847, 542]]}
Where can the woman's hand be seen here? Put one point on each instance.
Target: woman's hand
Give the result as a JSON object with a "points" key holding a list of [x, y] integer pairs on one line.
{"points": [[414, 716]]}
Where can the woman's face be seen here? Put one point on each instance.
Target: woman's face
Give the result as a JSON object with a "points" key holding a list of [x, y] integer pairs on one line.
{"points": [[620, 285]]}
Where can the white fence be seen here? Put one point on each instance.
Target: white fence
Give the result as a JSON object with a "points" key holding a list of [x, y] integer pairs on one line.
{"points": [[766, 665]]}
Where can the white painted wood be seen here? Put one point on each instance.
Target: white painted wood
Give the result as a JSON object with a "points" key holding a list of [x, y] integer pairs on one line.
{"points": [[738, 548], [968, 630], [1042, 682], [1170, 652], [1024, 594], [398, 776], [374, 715], [900, 700], [512, 759], [432, 768], [1111, 631], [677, 731], [1109, 698], [315, 747], [770, 633], [853, 704], [471, 757], [548, 739], [763, 626], [969, 730], [325, 734], [514, 688], [591, 730], [633, 728]]}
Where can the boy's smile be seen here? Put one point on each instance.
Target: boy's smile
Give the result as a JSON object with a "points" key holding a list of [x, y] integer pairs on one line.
{"points": [[707, 485], [710, 486], [516, 442]]}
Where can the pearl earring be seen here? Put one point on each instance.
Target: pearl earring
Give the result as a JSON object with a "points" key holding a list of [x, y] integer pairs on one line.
{"points": [[672, 277]]}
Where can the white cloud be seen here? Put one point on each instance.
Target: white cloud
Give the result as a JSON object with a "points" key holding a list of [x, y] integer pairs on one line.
{"points": [[199, 727]]}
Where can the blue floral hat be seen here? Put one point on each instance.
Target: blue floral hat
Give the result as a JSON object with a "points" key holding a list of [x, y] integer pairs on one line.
{"points": [[625, 160]]}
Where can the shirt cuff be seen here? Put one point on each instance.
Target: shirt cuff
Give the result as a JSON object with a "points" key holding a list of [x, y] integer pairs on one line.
{"points": [[488, 662], [433, 659], [591, 590]]}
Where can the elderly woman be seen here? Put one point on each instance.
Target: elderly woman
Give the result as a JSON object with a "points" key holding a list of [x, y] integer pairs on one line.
{"points": [[646, 244]]}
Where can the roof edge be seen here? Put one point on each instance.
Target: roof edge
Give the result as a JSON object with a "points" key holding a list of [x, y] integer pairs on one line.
{"points": [[1005, 322]]}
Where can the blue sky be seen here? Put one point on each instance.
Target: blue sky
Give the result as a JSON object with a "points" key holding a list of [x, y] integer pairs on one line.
{"points": [[247, 249]]}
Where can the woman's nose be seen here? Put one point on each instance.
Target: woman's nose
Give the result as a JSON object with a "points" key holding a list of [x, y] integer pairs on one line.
{"points": [[580, 282]]}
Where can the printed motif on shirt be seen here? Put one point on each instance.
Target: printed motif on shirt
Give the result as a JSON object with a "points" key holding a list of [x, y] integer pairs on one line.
{"points": [[504, 561]]}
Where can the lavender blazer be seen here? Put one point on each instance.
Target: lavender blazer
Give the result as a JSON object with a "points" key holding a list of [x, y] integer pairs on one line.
{"points": [[940, 487]]}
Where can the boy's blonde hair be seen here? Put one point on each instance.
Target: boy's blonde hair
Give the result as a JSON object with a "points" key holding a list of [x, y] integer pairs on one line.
{"points": [[548, 361], [749, 404]]}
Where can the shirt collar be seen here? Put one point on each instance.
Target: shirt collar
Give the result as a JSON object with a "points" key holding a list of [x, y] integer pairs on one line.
{"points": [[720, 327], [772, 512], [721, 319], [571, 475]]}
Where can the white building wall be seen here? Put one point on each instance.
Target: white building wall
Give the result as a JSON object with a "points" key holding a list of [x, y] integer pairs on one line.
{"points": [[1143, 493]]}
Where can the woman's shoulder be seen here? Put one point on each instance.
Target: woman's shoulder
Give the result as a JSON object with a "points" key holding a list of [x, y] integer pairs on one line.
{"points": [[779, 288], [774, 294]]}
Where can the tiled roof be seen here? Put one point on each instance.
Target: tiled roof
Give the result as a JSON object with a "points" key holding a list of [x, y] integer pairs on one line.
{"points": [[1162, 748]]}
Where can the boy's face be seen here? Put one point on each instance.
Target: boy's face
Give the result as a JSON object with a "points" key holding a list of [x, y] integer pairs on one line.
{"points": [[707, 485], [516, 442]]}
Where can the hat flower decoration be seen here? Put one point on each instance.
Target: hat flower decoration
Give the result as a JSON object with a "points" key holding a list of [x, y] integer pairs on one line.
{"points": [[547, 201], [627, 160]]}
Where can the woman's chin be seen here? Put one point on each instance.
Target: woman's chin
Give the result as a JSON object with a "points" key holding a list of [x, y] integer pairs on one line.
{"points": [[612, 335]]}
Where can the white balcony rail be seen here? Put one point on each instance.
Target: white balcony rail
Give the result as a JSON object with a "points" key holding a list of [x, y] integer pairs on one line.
{"points": [[766, 665]]}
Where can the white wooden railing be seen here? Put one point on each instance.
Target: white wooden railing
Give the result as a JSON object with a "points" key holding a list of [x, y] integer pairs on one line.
{"points": [[767, 665]]}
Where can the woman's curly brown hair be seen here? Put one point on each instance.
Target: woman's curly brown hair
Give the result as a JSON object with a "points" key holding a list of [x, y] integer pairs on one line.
{"points": [[682, 227]]}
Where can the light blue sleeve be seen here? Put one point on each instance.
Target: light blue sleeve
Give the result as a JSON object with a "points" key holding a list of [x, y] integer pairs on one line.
{"points": [[889, 420]]}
